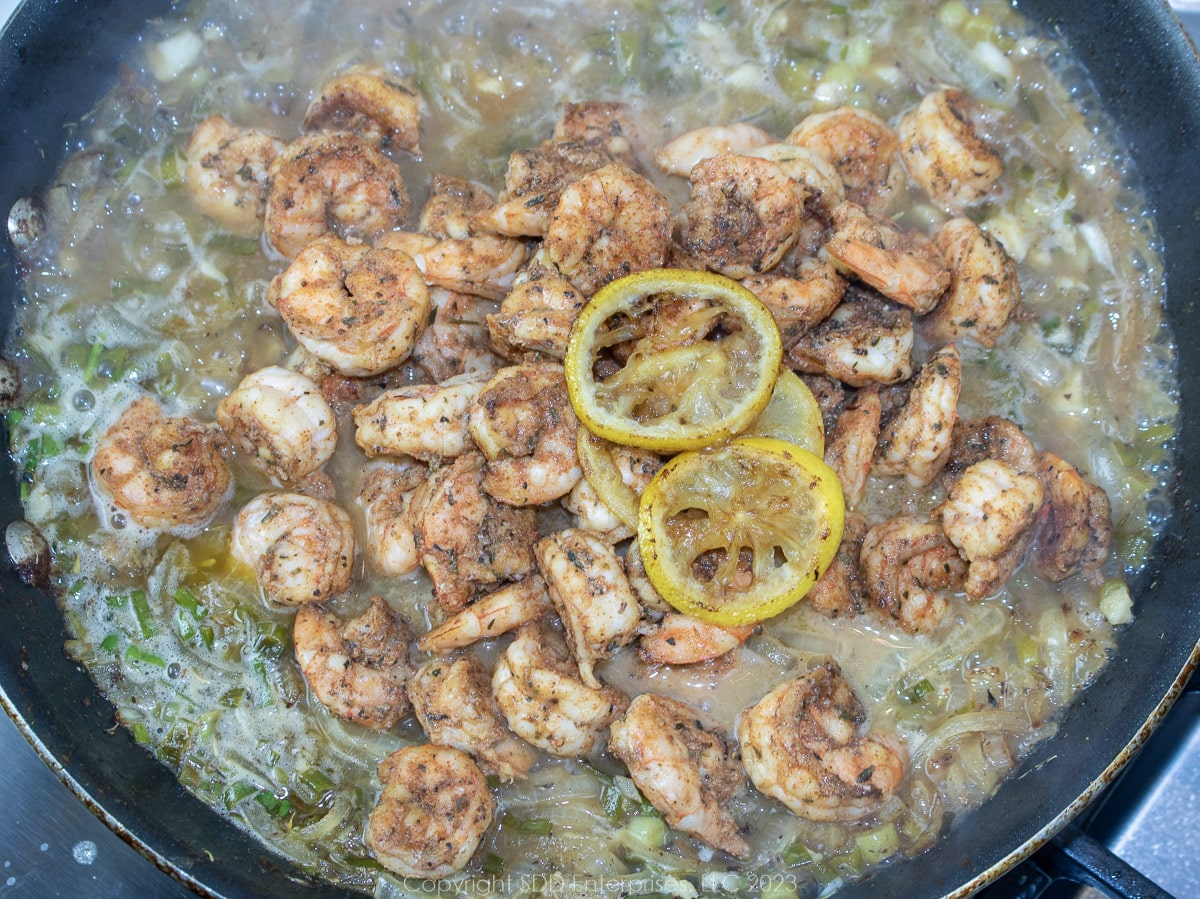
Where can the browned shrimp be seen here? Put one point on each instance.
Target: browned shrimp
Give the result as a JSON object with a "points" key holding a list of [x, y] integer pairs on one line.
{"points": [[841, 591], [862, 147], [952, 164], [984, 291], [369, 102], [800, 300], [865, 340], [607, 126], [916, 440], [226, 172], [907, 564], [1075, 533], [850, 449]]}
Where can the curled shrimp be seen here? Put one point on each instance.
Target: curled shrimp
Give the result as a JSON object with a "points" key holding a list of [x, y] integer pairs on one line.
{"points": [[490, 616], [681, 154], [524, 424], [366, 101], [607, 126], [450, 206], [803, 744], [300, 548], [984, 290], [943, 154], [1075, 531], [850, 449], [454, 703], [916, 441], [865, 340], [537, 314], [743, 216], [483, 265], [278, 419], [425, 421], [684, 766], [841, 591], [357, 308], [907, 564], [332, 182], [540, 693], [683, 640], [357, 668], [610, 222], [163, 472], [432, 814], [801, 300], [590, 513], [226, 172], [820, 181], [862, 147], [587, 585], [992, 437], [457, 341], [389, 542]]}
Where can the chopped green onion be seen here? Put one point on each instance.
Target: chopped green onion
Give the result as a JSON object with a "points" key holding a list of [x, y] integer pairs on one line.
{"points": [[648, 830], [225, 242], [280, 808], [362, 861], [235, 793], [317, 781], [109, 643], [136, 654], [188, 599], [116, 602], [14, 419], [168, 168], [796, 854], [838, 9], [917, 692], [878, 844], [184, 626], [538, 826], [1027, 651], [492, 864], [139, 732], [207, 636], [142, 612]]}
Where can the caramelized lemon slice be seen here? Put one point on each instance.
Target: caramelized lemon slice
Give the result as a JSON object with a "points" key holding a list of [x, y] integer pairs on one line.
{"points": [[672, 360], [792, 415], [738, 533]]}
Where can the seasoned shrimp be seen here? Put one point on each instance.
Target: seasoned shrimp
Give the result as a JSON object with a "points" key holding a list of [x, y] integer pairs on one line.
{"points": [[611, 222], [433, 813], [490, 616], [801, 300], [301, 548], [684, 765], [943, 154], [455, 706], [907, 562], [163, 472], [587, 585], [524, 424], [469, 542], [425, 421], [865, 340], [984, 290], [369, 102], [485, 265], [590, 513], [457, 341], [862, 147], [802, 744], [226, 172], [336, 183], [359, 309], [278, 419], [386, 491], [451, 205], [743, 216], [916, 441], [540, 693], [639, 582], [904, 266], [537, 314], [850, 449], [358, 668], [841, 592], [681, 154], [820, 180], [606, 126], [532, 185], [1075, 532], [988, 514], [683, 640], [993, 437]]}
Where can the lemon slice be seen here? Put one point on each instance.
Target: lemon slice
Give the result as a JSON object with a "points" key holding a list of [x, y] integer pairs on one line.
{"points": [[603, 474], [672, 360], [792, 415], [738, 533]]}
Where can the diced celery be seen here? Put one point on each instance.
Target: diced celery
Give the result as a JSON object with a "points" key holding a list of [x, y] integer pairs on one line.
{"points": [[648, 830], [878, 844]]}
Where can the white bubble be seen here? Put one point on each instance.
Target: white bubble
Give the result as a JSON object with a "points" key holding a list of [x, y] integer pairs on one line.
{"points": [[84, 852], [44, 847]]}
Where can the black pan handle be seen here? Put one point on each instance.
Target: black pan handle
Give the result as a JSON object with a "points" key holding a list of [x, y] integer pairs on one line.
{"points": [[1073, 855]]}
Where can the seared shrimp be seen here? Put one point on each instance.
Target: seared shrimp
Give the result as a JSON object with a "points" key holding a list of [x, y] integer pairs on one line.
{"points": [[590, 513], [993, 437], [454, 704], [803, 744], [358, 668], [425, 421], [841, 592], [301, 548], [386, 491], [609, 223], [457, 341], [988, 514], [819, 179], [865, 340], [743, 216], [850, 449], [469, 542], [537, 314], [226, 172], [278, 420], [163, 472], [862, 147], [451, 205], [681, 154], [332, 182], [609, 127], [683, 640], [944, 155], [916, 440], [540, 693], [587, 585], [984, 290], [483, 266], [904, 266], [490, 616], [1075, 533], [524, 424], [359, 309], [684, 765], [434, 810], [801, 300], [907, 562], [367, 101]]}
